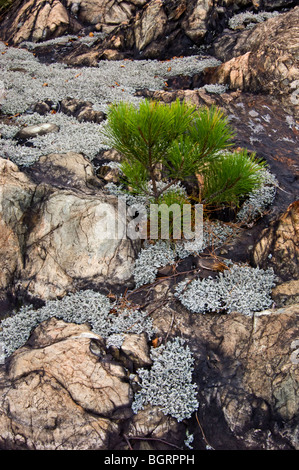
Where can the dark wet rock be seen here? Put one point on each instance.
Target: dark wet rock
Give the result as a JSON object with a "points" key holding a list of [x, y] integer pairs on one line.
{"points": [[246, 368]]}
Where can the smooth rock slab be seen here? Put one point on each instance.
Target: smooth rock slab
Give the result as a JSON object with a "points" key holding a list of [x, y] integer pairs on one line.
{"points": [[33, 131], [59, 231], [71, 244], [59, 395]]}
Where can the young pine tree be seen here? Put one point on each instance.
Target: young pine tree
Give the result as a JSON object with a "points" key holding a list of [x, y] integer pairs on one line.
{"points": [[179, 141]]}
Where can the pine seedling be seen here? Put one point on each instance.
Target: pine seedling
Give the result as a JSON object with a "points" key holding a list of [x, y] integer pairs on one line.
{"points": [[175, 142]]}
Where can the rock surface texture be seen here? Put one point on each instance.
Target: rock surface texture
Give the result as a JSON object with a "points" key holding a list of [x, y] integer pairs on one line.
{"points": [[36, 20], [72, 371], [148, 28], [278, 247], [264, 59], [64, 391], [60, 234], [64, 398]]}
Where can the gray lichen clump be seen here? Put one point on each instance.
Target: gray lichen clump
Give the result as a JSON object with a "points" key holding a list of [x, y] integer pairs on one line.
{"points": [[163, 253], [258, 200], [150, 259], [168, 384], [82, 307], [250, 19], [240, 289], [26, 81]]}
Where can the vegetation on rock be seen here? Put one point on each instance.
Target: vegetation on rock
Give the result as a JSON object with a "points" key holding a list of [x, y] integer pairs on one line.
{"points": [[240, 289], [177, 142], [168, 384]]}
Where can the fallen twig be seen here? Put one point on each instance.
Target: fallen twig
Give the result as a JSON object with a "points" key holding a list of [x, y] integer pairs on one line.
{"points": [[203, 434]]}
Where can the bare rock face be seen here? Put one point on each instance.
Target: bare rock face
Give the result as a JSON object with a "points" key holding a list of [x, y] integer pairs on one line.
{"points": [[82, 110], [195, 23], [60, 395], [63, 390], [150, 24], [278, 247], [16, 192], [139, 28], [36, 20], [264, 59], [61, 231]]}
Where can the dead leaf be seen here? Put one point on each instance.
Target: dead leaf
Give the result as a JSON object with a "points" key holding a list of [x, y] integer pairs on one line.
{"points": [[155, 342]]}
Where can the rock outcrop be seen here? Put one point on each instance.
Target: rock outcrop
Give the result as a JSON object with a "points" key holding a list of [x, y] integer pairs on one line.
{"points": [[72, 388], [144, 28], [262, 60], [278, 247], [36, 20], [58, 229], [64, 390], [67, 404]]}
